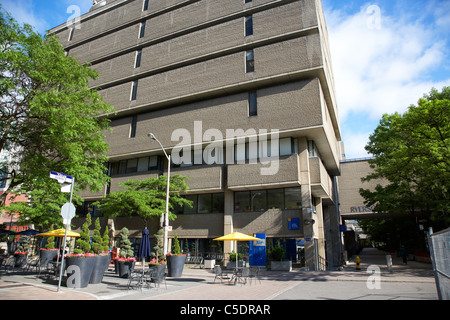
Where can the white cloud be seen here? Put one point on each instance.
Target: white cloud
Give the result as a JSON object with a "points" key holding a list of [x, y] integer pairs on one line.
{"points": [[384, 67], [23, 12], [354, 145]]}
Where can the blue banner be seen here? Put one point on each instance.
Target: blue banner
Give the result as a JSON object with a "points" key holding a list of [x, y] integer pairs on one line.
{"points": [[257, 250]]}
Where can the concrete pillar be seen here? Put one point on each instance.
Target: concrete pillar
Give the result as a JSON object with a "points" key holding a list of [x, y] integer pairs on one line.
{"points": [[307, 214], [228, 246]]}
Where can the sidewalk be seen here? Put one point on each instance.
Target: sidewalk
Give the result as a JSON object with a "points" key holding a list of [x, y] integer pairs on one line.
{"points": [[412, 281]]}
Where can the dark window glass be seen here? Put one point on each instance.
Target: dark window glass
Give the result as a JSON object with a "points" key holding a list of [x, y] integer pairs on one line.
{"points": [[252, 104], [249, 25], [250, 61]]}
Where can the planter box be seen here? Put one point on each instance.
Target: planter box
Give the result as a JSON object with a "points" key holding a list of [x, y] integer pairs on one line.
{"points": [[209, 263], [232, 264], [124, 266], [20, 260], [175, 265], [45, 256], [281, 265], [100, 266], [79, 271]]}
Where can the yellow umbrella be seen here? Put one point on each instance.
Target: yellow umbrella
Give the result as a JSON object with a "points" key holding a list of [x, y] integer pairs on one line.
{"points": [[236, 236], [59, 233]]}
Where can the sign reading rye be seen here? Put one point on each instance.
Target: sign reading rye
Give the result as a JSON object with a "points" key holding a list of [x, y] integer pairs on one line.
{"points": [[361, 209]]}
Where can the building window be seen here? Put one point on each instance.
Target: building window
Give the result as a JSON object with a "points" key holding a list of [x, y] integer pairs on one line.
{"points": [[252, 104], [250, 61], [247, 1], [142, 30], [136, 165], [134, 88], [71, 34], [262, 200], [133, 127], [203, 203], [312, 149], [248, 26], [137, 63], [145, 7]]}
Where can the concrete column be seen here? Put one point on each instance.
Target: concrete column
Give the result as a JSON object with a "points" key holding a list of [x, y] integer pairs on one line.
{"points": [[228, 222], [307, 214]]}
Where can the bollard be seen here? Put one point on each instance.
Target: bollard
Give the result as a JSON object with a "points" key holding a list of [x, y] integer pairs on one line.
{"points": [[358, 261], [389, 262]]}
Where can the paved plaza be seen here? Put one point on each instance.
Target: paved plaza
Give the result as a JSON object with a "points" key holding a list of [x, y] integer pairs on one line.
{"points": [[414, 281]]}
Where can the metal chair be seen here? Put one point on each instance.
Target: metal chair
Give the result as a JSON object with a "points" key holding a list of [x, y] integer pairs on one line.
{"points": [[158, 276], [243, 275], [32, 263], [9, 263], [219, 274], [254, 274], [135, 276]]}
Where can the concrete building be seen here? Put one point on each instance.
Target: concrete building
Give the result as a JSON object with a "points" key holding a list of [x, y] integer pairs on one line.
{"points": [[241, 93]]}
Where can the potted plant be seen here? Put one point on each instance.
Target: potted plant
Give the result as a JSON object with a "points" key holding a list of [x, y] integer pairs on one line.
{"points": [[175, 260], [232, 262], [49, 252], [102, 258], [126, 259], [81, 263], [277, 262], [20, 254]]}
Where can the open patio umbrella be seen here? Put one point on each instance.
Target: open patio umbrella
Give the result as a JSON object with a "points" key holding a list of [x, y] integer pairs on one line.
{"points": [[236, 236], [144, 248], [8, 232], [59, 233], [29, 232]]}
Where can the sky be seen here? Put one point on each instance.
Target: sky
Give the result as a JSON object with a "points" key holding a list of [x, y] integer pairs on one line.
{"points": [[385, 54]]}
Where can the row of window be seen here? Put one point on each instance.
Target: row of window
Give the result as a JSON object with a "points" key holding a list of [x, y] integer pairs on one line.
{"points": [[262, 200], [248, 23], [142, 164], [244, 201], [242, 153], [249, 67]]}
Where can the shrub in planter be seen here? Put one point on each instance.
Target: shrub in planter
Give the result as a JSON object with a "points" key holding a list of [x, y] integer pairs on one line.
{"points": [[102, 259], [47, 255], [126, 265], [175, 260], [126, 260], [277, 256], [79, 269]]}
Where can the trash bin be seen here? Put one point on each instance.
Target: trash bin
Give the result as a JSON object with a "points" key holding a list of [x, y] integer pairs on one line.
{"points": [[209, 263]]}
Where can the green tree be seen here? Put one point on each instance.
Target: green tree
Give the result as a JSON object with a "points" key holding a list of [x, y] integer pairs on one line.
{"points": [[83, 242], [126, 251], [49, 117], [176, 245], [50, 241], [412, 155], [158, 248], [105, 240], [97, 241], [146, 198]]}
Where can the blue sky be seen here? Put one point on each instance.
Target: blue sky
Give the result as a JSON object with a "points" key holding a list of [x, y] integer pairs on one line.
{"points": [[385, 54]]}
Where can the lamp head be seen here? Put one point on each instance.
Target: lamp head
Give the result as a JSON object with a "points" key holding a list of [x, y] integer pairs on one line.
{"points": [[151, 135]]}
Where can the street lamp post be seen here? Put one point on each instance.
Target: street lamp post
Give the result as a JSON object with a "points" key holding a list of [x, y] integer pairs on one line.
{"points": [[165, 219]]}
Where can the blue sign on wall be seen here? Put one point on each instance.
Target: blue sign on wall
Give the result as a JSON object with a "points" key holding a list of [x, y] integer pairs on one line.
{"points": [[257, 250], [294, 223]]}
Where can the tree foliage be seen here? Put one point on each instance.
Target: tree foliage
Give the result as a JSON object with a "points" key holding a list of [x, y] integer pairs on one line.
{"points": [[146, 198], [412, 154], [49, 117]]}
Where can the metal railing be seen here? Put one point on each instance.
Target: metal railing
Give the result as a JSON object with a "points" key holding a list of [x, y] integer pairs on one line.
{"points": [[439, 244]]}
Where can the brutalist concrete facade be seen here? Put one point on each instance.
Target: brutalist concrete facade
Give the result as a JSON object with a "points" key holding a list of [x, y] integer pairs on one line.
{"points": [[199, 67]]}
